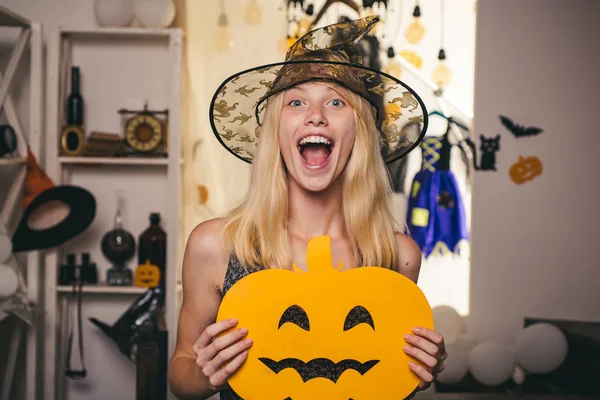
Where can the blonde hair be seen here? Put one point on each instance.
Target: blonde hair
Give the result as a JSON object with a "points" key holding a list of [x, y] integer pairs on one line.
{"points": [[256, 230]]}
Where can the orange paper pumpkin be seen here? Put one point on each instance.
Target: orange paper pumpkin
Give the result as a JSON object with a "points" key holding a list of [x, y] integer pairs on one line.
{"points": [[326, 333], [525, 169], [147, 275]]}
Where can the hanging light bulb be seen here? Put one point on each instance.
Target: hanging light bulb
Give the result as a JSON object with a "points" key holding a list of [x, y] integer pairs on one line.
{"points": [[412, 58], [392, 68], [304, 26], [415, 31], [253, 13], [441, 74], [223, 40]]}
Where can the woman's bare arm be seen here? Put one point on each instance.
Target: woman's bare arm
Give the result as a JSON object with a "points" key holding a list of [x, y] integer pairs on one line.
{"points": [[203, 264], [409, 257]]}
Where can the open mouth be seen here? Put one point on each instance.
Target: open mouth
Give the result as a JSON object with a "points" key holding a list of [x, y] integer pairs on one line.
{"points": [[318, 367], [315, 150]]}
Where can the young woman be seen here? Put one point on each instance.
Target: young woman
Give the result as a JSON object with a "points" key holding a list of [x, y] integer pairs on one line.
{"points": [[317, 169]]}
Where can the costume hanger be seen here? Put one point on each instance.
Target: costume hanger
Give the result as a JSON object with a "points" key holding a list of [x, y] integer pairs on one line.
{"points": [[449, 118], [463, 139], [328, 3]]}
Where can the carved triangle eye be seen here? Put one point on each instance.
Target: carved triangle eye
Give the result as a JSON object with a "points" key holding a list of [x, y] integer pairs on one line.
{"points": [[358, 315], [295, 315]]}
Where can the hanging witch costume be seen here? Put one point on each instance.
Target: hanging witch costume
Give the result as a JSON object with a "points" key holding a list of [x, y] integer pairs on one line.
{"points": [[436, 214], [327, 54]]}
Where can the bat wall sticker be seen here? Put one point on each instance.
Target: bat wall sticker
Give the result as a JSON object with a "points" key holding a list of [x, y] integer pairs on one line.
{"points": [[519, 130]]}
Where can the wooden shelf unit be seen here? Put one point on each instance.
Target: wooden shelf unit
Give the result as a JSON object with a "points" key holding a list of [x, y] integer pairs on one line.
{"points": [[63, 44], [141, 161], [30, 40], [102, 288]]}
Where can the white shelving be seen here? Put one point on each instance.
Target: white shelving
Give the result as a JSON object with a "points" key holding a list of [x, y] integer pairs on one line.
{"points": [[29, 39], [113, 161], [102, 288], [120, 68], [13, 161]]}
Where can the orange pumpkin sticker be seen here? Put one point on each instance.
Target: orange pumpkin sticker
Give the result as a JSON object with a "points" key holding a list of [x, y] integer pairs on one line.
{"points": [[326, 333], [525, 169]]}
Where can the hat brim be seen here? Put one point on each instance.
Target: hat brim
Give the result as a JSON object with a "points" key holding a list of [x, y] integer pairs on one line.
{"points": [[82, 211], [238, 103]]}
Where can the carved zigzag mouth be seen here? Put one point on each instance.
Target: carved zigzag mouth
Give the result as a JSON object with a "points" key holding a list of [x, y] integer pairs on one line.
{"points": [[318, 367]]}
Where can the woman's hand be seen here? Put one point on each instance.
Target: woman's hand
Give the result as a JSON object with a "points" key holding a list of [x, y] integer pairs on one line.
{"points": [[212, 352], [428, 347]]}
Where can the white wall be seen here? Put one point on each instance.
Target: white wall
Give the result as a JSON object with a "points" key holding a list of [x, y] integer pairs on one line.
{"points": [[535, 246]]}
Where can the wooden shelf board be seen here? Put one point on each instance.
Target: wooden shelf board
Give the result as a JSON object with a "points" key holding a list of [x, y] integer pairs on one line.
{"points": [[117, 32], [10, 18], [13, 161], [103, 288], [114, 160]]}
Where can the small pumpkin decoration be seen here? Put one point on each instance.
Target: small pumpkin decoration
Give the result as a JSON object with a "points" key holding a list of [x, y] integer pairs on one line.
{"points": [[525, 169], [325, 333], [147, 275]]}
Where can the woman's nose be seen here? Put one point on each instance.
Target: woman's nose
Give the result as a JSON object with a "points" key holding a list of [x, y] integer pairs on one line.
{"points": [[315, 116]]}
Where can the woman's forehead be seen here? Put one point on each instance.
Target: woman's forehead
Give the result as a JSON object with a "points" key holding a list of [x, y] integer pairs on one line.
{"points": [[316, 87]]}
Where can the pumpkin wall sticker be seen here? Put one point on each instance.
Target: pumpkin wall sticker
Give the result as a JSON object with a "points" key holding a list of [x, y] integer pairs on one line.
{"points": [[525, 169], [326, 333]]}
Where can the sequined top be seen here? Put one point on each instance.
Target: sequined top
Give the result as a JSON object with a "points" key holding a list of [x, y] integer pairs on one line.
{"points": [[235, 272]]}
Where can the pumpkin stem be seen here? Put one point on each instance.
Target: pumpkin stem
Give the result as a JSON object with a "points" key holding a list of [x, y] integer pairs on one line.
{"points": [[318, 254]]}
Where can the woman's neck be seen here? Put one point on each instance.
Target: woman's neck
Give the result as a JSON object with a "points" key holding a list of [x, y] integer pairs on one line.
{"points": [[315, 213]]}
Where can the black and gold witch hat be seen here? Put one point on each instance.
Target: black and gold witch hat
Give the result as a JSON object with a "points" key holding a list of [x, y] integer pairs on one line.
{"points": [[327, 54]]}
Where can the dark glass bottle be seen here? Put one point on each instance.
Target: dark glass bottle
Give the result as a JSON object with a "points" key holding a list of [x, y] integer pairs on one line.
{"points": [[75, 100], [152, 246]]}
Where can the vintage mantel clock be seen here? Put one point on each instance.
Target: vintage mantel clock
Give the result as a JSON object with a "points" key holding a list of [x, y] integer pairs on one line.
{"points": [[145, 131]]}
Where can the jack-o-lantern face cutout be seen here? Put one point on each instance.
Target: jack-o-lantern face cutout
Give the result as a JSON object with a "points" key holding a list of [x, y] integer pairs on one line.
{"points": [[147, 275], [325, 333], [525, 169]]}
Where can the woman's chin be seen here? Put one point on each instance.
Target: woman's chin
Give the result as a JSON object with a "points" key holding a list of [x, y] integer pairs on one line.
{"points": [[315, 185]]}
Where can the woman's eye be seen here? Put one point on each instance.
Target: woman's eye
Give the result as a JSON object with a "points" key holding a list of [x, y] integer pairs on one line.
{"points": [[337, 103], [295, 103]]}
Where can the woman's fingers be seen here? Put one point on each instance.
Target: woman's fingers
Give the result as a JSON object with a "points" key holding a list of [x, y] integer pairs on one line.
{"points": [[425, 376], [433, 340], [422, 356], [423, 345], [223, 342], [211, 331], [229, 352], [219, 378]]}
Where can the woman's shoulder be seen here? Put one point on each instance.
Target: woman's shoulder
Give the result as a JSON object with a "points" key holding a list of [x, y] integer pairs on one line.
{"points": [[409, 256], [205, 244]]}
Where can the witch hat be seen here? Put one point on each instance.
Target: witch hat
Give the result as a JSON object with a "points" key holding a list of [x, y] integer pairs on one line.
{"points": [[44, 223]]}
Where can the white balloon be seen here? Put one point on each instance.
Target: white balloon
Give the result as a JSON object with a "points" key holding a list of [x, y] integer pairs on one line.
{"points": [[448, 322], [491, 363], [466, 342], [113, 13], [5, 247], [456, 365], [9, 281], [541, 348]]}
